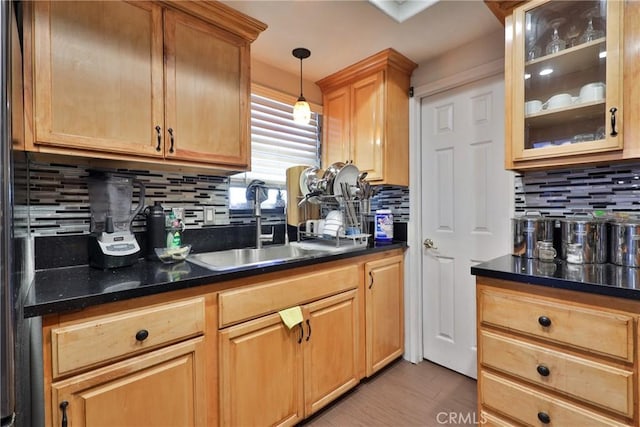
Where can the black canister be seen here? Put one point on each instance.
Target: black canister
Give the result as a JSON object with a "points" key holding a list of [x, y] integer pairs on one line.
{"points": [[156, 235]]}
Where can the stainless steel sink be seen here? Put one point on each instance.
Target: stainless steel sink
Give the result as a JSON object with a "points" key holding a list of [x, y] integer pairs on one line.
{"points": [[250, 257]]}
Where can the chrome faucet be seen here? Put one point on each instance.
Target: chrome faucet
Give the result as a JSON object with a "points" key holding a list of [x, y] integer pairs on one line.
{"points": [[257, 192]]}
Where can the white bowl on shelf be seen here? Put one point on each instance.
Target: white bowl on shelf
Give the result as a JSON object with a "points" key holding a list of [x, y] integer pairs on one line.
{"points": [[533, 106], [559, 100], [592, 92]]}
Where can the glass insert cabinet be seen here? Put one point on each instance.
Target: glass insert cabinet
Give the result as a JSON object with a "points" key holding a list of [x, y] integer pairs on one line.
{"points": [[564, 79]]}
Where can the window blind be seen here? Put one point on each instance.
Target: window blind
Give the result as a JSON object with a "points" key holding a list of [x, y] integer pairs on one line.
{"points": [[277, 142]]}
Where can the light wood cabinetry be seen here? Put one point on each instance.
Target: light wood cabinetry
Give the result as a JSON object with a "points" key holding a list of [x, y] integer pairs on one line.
{"points": [[272, 375], [384, 312], [366, 117], [221, 354], [131, 366], [139, 81], [580, 131], [164, 387], [552, 356]]}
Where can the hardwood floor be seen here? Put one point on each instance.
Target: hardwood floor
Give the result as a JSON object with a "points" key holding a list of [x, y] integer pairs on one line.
{"points": [[405, 394]]}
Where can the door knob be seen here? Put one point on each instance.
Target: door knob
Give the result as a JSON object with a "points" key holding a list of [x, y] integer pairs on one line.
{"points": [[428, 244]]}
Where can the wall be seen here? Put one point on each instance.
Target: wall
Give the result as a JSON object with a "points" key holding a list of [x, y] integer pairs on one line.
{"points": [[479, 52], [283, 81]]}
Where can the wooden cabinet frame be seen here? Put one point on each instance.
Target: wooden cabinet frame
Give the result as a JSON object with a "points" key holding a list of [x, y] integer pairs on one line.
{"points": [[156, 144], [526, 347], [378, 136], [627, 121]]}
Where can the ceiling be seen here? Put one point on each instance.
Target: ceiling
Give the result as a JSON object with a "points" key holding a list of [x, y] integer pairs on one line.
{"points": [[339, 33]]}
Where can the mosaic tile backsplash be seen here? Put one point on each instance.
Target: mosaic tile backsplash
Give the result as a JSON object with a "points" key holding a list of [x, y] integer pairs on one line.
{"points": [[57, 200], [559, 193]]}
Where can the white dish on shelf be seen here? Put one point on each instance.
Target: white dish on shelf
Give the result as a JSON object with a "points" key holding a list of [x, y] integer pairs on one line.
{"points": [[559, 100], [533, 106], [592, 92]]}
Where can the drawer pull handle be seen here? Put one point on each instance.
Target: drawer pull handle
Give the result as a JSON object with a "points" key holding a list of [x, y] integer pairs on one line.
{"points": [[301, 333], [63, 407], [613, 110], [142, 335], [308, 329], [544, 321], [543, 370], [544, 417], [371, 282]]}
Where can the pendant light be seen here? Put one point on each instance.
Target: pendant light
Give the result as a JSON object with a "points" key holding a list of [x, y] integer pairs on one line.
{"points": [[301, 111]]}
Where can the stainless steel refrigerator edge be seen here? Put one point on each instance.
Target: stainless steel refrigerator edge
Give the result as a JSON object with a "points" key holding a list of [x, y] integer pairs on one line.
{"points": [[8, 290]]}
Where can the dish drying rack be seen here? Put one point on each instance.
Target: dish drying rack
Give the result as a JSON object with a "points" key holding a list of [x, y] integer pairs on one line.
{"points": [[354, 228]]}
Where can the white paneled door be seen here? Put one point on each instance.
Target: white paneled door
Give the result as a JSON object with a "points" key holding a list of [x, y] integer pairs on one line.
{"points": [[466, 206]]}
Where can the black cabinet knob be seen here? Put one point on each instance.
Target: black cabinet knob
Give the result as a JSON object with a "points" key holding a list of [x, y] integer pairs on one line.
{"points": [[142, 335], [544, 417], [543, 370], [544, 321]]}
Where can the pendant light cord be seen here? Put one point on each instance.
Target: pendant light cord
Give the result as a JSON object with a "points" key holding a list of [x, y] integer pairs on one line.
{"points": [[301, 79]]}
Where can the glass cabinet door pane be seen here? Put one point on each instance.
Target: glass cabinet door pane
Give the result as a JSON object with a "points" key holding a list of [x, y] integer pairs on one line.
{"points": [[565, 73]]}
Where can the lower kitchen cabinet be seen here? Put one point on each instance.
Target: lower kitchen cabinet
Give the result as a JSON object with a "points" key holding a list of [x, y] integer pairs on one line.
{"points": [[161, 388], [132, 363], [221, 354], [549, 356], [272, 375], [384, 312]]}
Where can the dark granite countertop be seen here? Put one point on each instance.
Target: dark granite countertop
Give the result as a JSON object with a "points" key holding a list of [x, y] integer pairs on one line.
{"points": [[603, 279], [72, 288]]}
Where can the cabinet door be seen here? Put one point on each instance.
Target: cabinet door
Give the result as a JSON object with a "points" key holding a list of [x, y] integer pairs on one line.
{"points": [[384, 312], [162, 388], [566, 80], [207, 93], [366, 125], [330, 349], [98, 76], [336, 117], [261, 373]]}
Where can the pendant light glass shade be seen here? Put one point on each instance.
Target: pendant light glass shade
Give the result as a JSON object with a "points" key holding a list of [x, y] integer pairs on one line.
{"points": [[301, 110]]}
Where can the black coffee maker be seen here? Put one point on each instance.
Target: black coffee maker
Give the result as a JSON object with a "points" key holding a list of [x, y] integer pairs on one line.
{"points": [[112, 243]]}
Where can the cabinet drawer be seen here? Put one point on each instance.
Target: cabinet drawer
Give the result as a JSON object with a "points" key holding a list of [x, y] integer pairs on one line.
{"points": [[110, 337], [246, 303], [529, 406], [490, 420], [604, 332], [581, 378]]}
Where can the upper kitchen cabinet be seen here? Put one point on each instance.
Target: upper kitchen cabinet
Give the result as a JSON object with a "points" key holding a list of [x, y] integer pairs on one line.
{"points": [[366, 117], [158, 82], [564, 82]]}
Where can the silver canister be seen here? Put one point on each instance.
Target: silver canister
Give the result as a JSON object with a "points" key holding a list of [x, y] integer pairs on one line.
{"points": [[625, 242], [584, 240], [527, 231]]}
